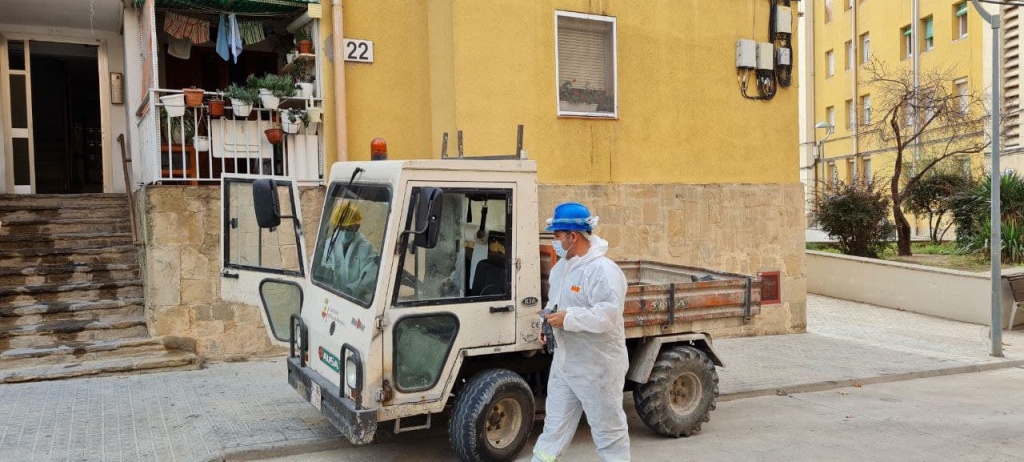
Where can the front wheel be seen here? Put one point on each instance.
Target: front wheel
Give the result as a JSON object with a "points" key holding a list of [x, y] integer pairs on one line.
{"points": [[680, 394], [492, 417]]}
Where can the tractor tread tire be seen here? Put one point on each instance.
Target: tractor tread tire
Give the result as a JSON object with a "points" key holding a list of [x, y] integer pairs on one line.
{"points": [[466, 425], [652, 398]]}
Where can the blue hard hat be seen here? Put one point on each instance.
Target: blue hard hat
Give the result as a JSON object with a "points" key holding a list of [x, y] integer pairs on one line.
{"points": [[570, 216]]}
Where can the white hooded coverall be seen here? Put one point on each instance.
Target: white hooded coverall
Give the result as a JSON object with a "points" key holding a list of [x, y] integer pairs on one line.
{"points": [[589, 369], [355, 266]]}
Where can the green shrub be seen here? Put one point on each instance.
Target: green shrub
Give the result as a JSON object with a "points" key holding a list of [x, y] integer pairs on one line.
{"points": [[857, 217], [972, 210]]}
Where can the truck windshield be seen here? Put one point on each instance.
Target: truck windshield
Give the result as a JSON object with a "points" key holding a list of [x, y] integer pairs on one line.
{"points": [[356, 223]]}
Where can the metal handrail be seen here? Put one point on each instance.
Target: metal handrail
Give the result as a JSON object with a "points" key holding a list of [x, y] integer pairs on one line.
{"points": [[126, 160]]}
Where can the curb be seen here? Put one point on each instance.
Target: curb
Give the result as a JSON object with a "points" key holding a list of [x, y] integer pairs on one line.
{"points": [[280, 449], [833, 384]]}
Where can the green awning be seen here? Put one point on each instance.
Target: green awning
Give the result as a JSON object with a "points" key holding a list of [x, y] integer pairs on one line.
{"points": [[907, 31], [962, 9], [928, 28], [237, 6]]}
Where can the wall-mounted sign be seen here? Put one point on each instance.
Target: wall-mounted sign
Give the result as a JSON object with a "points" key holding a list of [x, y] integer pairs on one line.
{"points": [[360, 51]]}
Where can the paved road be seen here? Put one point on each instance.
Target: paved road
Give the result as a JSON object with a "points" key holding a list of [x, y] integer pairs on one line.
{"points": [[968, 417]]}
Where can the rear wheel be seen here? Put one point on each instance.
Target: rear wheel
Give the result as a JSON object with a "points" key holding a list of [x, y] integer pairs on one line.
{"points": [[492, 417], [680, 394]]}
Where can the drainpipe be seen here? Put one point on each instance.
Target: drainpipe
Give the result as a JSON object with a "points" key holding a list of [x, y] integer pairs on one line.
{"points": [[916, 66], [340, 104], [858, 53]]}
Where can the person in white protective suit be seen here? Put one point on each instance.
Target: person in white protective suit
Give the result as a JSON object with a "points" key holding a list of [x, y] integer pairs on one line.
{"points": [[587, 375], [353, 258]]}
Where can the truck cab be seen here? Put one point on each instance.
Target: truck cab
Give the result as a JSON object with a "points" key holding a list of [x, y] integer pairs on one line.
{"points": [[421, 296]]}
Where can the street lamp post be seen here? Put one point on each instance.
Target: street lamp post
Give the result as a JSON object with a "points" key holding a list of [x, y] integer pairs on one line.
{"points": [[995, 240], [829, 128]]}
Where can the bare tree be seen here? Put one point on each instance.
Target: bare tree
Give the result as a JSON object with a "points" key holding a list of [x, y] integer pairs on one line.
{"points": [[932, 122]]}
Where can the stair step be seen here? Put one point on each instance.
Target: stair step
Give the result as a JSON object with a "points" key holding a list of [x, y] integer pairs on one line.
{"points": [[17, 212], [68, 274], [46, 226], [151, 362], [64, 240], [54, 308], [63, 200], [49, 257], [76, 291], [130, 310], [52, 334], [77, 351]]}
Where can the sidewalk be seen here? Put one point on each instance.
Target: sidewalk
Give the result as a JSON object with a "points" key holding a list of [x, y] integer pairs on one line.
{"points": [[236, 410]]}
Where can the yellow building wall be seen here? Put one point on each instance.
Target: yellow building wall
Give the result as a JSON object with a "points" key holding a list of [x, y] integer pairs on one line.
{"points": [[884, 21], [484, 67]]}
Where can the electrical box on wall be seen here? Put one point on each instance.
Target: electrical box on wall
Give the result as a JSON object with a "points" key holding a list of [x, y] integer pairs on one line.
{"points": [[785, 57], [746, 54], [765, 56], [783, 19]]}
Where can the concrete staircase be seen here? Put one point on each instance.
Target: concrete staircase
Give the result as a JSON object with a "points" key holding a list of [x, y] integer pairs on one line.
{"points": [[71, 299]]}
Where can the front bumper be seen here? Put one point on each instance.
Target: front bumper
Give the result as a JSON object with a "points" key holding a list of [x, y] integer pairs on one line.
{"points": [[358, 425]]}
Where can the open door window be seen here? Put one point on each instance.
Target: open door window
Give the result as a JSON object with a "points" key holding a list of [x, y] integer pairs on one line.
{"points": [[263, 248]]}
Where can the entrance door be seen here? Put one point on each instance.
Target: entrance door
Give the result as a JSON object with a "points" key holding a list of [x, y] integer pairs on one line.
{"points": [[15, 70], [54, 134]]}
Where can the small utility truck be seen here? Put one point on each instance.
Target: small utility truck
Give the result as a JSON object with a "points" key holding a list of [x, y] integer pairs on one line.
{"points": [[422, 295]]}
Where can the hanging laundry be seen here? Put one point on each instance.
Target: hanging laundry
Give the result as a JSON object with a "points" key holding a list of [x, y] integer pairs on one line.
{"points": [[222, 40], [252, 32], [178, 26], [180, 48], [234, 40]]}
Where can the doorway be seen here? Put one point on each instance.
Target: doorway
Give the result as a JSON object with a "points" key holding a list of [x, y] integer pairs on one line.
{"points": [[56, 126]]}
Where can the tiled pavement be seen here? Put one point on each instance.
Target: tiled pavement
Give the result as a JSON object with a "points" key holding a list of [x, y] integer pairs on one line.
{"points": [[233, 407]]}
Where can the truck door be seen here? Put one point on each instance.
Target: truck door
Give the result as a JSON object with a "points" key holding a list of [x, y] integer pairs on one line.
{"points": [[455, 296], [263, 267]]}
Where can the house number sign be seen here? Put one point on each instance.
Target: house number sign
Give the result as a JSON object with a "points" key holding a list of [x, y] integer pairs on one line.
{"points": [[360, 51]]}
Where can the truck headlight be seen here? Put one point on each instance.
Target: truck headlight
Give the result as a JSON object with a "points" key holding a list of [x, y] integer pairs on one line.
{"points": [[351, 372]]}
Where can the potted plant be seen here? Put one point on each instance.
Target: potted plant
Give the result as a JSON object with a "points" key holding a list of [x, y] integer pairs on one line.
{"points": [[275, 134], [216, 105], [272, 88], [193, 96], [571, 99], [174, 124], [242, 98], [302, 73], [291, 119], [303, 41]]}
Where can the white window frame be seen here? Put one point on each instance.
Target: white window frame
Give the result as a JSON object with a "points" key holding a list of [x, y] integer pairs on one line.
{"points": [[851, 166], [615, 65], [865, 103], [851, 114], [961, 24], [830, 58], [962, 91], [865, 45], [868, 178], [929, 43], [908, 43], [851, 56]]}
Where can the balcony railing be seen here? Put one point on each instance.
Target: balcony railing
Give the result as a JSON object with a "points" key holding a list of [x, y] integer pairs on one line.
{"points": [[198, 147]]}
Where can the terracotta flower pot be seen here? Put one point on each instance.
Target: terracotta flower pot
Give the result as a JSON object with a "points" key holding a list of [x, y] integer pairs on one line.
{"points": [[274, 135], [193, 97], [217, 108], [305, 46]]}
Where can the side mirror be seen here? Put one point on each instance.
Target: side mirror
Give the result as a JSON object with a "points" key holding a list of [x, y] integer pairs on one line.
{"points": [[266, 203], [428, 218]]}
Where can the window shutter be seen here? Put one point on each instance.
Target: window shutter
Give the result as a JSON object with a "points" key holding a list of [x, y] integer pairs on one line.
{"points": [[583, 53], [928, 28], [962, 9], [907, 32]]}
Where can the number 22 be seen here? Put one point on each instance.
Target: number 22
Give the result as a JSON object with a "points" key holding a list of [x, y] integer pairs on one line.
{"points": [[354, 47]]}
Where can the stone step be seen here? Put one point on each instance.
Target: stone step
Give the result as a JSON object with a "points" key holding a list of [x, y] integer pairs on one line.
{"points": [[25, 258], [78, 351], [55, 308], [45, 226], [53, 334], [149, 362], [63, 200], [64, 240], [95, 311], [16, 212], [68, 274], [70, 292]]}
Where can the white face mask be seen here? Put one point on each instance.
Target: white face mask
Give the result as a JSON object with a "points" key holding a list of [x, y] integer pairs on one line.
{"points": [[347, 236], [559, 249]]}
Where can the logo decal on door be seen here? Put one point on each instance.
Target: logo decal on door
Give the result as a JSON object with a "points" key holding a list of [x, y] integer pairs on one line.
{"points": [[329, 359]]}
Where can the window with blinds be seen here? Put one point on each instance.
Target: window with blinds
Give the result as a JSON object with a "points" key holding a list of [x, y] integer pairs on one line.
{"points": [[586, 65]]}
